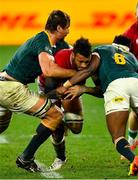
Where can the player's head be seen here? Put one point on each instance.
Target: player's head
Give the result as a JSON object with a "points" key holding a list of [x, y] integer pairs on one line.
{"points": [[81, 54], [137, 11], [58, 22], [122, 40]]}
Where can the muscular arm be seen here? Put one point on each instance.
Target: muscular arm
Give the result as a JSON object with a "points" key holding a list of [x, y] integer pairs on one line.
{"points": [[84, 74], [95, 91], [51, 69], [78, 90]]}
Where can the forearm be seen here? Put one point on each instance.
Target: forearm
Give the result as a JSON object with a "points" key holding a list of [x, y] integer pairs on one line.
{"points": [[52, 94], [84, 74], [62, 73], [79, 76], [51, 69], [94, 91]]}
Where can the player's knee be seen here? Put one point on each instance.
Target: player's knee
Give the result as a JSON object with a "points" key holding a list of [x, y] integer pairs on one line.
{"points": [[75, 128], [53, 118], [58, 134], [74, 122]]}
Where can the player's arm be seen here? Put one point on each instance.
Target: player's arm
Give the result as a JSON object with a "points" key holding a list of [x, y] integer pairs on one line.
{"points": [[51, 69], [57, 93], [97, 92], [84, 74], [78, 90], [94, 91]]}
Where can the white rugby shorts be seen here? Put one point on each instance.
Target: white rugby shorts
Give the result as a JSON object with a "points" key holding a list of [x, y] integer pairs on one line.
{"points": [[17, 97], [121, 94]]}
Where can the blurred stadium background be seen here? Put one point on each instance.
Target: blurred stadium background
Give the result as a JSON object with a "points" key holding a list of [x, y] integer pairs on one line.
{"points": [[91, 154], [99, 20]]}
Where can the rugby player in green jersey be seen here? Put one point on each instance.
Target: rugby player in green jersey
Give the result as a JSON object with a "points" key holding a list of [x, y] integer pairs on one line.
{"points": [[32, 59], [116, 68]]}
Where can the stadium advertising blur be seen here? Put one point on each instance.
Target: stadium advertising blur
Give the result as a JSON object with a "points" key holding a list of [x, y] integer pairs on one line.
{"points": [[98, 20]]}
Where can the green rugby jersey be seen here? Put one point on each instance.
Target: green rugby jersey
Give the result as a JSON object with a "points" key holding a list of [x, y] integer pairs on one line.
{"points": [[60, 45], [115, 63], [24, 65]]}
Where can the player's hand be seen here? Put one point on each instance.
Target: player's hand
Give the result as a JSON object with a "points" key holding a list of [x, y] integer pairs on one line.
{"points": [[73, 92], [60, 91]]}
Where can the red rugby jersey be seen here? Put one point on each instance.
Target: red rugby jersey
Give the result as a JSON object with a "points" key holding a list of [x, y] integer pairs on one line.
{"points": [[63, 59], [132, 33]]}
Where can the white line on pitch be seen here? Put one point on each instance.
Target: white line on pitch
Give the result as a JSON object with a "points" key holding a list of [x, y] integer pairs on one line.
{"points": [[47, 173]]}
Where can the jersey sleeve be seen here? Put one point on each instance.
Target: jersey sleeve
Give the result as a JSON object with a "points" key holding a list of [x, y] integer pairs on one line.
{"points": [[62, 58], [96, 52], [61, 44]]}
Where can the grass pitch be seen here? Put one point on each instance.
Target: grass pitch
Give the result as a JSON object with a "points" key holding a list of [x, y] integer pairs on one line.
{"points": [[91, 154]]}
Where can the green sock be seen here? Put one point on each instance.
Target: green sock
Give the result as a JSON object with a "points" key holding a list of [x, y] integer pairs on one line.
{"points": [[132, 133]]}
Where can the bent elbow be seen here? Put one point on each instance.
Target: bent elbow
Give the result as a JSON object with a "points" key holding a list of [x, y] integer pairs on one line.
{"points": [[48, 74]]}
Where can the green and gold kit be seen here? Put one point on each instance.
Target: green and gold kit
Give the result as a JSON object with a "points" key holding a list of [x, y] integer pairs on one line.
{"points": [[24, 65], [115, 63]]}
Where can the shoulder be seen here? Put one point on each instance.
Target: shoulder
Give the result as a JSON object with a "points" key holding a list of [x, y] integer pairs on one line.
{"points": [[102, 48], [62, 57], [63, 44], [42, 38], [41, 43], [63, 53], [131, 30], [40, 35]]}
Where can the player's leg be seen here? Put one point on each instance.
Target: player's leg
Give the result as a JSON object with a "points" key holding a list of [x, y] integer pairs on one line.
{"points": [[134, 105], [73, 120], [73, 115], [5, 113], [20, 99], [58, 141], [5, 118], [132, 129], [45, 85], [117, 102], [116, 123], [51, 117]]}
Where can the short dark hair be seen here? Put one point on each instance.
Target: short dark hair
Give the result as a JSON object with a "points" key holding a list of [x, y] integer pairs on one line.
{"points": [[56, 18], [83, 47], [123, 40]]}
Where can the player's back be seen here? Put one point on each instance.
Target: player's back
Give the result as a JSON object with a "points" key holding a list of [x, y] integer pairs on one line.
{"points": [[116, 62]]}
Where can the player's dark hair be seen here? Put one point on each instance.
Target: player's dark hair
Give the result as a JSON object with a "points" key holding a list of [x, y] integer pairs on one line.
{"points": [[83, 47], [56, 18], [123, 40]]}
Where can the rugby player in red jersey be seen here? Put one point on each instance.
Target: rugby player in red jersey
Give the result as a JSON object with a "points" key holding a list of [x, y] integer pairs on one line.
{"points": [[76, 58], [132, 34]]}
